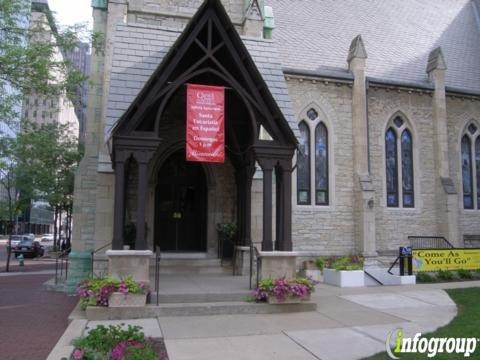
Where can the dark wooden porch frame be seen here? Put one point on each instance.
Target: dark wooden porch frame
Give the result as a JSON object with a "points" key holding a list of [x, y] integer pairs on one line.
{"points": [[272, 156]]}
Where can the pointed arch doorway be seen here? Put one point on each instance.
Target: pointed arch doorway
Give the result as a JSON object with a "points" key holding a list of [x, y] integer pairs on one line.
{"points": [[181, 205]]}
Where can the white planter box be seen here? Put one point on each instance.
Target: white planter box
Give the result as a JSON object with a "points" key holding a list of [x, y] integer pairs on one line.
{"points": [[344, 278], [118, 299]]}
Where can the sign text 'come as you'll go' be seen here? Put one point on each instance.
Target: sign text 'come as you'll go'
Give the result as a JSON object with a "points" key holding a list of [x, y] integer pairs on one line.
{"points": [[205, 123], [445, 259]]}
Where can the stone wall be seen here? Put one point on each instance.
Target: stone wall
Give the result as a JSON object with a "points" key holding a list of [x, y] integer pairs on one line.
{"points": [[459, 112], [394, 225], [327, 229], [175, 13]]}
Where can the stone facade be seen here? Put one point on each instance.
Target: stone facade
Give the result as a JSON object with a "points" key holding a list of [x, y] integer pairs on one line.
{"points": [[355, 109]]}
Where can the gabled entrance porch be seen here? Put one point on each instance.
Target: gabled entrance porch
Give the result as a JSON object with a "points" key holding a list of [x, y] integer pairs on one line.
{"points": [[164, 202]]}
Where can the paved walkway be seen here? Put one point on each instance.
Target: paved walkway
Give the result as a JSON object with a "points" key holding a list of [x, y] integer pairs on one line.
{"points": [[348, 324], [31, 319]]}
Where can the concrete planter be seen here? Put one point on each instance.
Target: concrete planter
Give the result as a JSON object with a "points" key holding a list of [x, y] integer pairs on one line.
{"points": [[315, 275], [118, 299], [289, 300], [344, 278]]}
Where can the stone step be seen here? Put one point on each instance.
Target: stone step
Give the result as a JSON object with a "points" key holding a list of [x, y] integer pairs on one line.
{"points": [[198, 298], [188, 262], [195, 309], [218, 270]]}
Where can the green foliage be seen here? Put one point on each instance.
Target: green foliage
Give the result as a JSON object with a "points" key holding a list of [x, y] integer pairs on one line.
{"points": [[101, 340], [348, 262], [29, 61], [320, 262], [96, 291], [227, 230], [144, 353], [445, 275], [425, 277], [465, 274]]}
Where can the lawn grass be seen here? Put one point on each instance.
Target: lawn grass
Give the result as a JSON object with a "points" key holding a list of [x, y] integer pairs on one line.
{"points": [[465, 324]]}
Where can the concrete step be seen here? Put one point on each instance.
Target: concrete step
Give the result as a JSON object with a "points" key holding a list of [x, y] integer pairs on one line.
{"points": [[192, 265], [198, 298], [195, 309]]}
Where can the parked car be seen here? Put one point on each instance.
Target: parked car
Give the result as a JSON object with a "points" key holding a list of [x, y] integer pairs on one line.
{"points": [[15, 239], [28, 248], [47, 238]]}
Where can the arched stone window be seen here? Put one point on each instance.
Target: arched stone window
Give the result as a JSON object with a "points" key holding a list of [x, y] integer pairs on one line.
{"points": [[312, 161], [470, 145], [303, 165], [399, 177]]}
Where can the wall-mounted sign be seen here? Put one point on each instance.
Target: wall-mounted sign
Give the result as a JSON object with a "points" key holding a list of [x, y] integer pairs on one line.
{"points": [[205, 123], [446, 259]]}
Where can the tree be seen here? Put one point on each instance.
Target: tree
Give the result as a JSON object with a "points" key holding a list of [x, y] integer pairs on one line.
{"points": [[30, 56], [48, 155]]}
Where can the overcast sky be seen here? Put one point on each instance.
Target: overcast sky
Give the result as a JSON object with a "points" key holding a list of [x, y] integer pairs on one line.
{"points": [[69, 12]]}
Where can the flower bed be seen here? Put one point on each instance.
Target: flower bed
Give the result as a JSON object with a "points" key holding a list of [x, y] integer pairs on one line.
{"points": [[97, 292], [281, 290], [117, 343]]}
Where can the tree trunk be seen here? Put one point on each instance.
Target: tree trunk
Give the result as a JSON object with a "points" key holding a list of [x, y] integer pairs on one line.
{"points": [[55, 218]]}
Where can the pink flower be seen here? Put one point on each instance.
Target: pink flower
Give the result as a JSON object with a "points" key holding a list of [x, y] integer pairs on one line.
{"points": [[77, 354]]}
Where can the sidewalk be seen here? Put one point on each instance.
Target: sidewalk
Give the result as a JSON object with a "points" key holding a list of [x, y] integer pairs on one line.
{"points": [[349, 323]]}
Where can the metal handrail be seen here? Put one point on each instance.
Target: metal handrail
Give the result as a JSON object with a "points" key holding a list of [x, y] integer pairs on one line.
{"points": [[373, 277], [393, 264], [157, 270], [64, 260], [94, 252], [429, 242], [254, 253]]}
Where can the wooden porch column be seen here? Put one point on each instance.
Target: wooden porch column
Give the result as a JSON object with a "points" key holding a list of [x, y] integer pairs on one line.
{"points": [[119, 208], [278, 208], [286, 206], [267, 167], [142, 187]]}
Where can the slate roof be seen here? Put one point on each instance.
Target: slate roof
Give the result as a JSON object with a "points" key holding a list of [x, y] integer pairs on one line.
{"points": [[138, 50], [315, 35]]}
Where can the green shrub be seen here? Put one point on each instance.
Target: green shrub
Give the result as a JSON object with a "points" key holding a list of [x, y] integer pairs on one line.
{"points": [[320, 262], [445, 275], [464, 274], [349, 262], [425, 277]]}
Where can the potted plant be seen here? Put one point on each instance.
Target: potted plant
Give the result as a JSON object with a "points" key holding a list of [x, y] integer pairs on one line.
{"points": [[344, 271], [283, 291], [226, 236], [107, 291]]}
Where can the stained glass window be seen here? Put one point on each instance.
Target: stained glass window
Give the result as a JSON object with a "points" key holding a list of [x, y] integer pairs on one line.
{"points": [[312, 114], [407, 169], [398, 122], [321, 165], [477, 160], [391, 167], [303, 166], [467, 173], [472, 128]]}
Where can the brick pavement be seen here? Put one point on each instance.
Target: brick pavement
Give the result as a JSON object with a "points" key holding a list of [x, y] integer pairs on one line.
{"points": [[31, 319]]}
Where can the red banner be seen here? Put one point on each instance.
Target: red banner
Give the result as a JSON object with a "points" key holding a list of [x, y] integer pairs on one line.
{"points": [[205, 123]]}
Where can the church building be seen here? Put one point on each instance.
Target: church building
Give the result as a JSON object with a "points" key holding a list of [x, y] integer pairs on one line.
{"points": [[348, 127]]}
